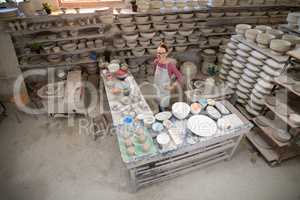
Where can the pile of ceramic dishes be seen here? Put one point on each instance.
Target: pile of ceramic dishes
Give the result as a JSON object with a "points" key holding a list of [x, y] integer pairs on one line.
{"points": [[250, 73], [228, 58]]}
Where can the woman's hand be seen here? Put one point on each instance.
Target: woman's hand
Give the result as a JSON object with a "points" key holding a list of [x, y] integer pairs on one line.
{"points": [[170, 87]]}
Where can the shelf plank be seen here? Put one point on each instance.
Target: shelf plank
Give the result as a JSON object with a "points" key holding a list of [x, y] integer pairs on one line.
{"points": [[269, 154], [55, 29], [287, 86], [45, 40], [247, 7], [282, 117], [49, 65], [266, 52], [193, 19], [114, 49], [267, 131], [172, 53], [62, 52]]}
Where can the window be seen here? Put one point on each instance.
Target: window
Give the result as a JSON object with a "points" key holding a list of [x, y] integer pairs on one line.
{"points": [[89, 3]]}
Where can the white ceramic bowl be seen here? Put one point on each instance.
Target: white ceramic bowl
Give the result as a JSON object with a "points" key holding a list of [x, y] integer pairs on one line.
{"points": [[264, 38], [180, 110], [251, 34], [280, 46]]}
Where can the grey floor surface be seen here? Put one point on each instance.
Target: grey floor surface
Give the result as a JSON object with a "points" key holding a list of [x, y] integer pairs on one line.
{"points": [[43, 159]]}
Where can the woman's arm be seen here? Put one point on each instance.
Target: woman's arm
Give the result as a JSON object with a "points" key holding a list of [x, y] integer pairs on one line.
{"points": [[172, 69]]}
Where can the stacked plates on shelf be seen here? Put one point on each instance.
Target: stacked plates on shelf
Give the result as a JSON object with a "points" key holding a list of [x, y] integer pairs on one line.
{"points": [[228, 58]]}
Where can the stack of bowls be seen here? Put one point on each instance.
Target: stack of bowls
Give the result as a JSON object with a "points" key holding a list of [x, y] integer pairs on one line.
{"points": [[240, 29]]}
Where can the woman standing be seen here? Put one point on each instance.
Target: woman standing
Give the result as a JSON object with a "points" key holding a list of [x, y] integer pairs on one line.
{"points": [[166, 77]]}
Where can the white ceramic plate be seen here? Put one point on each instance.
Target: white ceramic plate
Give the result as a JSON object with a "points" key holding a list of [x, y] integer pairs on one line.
{"points": [[241, 59], [231, 85], [238, 64], [270, 71], [253, 68], [163, 116], [226, 62], [226, 67], [264, 84], [274, 64], [261, 89], [234, 75], [248, 79], [250, 73], [252, 111], [202, 125], [243, 89], [255, 106], [257, 100], [231, 45], [230, 52], [255, 61], [258, 55], [220, 106], [232, 80], [237, 70], [241, 101], [242, 53], [244, 47], [266, 76], [246, 84], [213, 113], [228, 57], [242, 95], [180, 110], [258, 94], [222, 71]]}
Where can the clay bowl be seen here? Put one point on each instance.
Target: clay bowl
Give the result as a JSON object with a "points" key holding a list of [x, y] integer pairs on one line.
{"points": [[280, 46], [128, 27], [251, 34], [264, 38], [241, 29], [157, 18], [263, 28], [160, 25], [125, 19], [277, 33], [293, 39], [144, 27]]}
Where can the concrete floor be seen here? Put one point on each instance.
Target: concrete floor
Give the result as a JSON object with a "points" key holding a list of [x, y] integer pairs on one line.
{"points": [[43, 159]]}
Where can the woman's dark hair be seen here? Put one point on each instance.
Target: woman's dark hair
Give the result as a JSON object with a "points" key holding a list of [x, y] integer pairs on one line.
{"points": [[163, 45]]}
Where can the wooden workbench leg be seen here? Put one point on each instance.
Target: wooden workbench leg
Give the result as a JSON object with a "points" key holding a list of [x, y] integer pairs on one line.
{"points": [[132, 181], [238, 141]]}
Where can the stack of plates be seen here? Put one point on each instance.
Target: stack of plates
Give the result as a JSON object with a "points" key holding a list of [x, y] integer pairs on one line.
{"points": [[229, 57]]}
